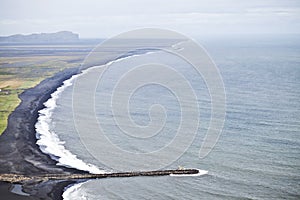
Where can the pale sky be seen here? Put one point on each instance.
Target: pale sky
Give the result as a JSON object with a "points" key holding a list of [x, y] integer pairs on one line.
{"points": [[106, 18]]}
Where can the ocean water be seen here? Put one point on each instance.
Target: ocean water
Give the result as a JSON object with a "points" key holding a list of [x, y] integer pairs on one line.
{"points": [[256, 157]]}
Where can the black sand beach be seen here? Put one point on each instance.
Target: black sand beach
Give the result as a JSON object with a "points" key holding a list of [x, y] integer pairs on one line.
{"points": [[19, 153]]}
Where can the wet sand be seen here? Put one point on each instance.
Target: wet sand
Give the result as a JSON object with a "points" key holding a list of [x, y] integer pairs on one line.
{"points": [[6, 194]]}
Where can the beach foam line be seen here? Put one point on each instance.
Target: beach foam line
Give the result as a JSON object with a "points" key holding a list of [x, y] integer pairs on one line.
{"points": [[73, 192], [48, 140]]}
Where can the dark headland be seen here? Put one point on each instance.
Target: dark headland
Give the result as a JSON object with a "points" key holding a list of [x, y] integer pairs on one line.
{"points": [[22, 161], [38, 38]]}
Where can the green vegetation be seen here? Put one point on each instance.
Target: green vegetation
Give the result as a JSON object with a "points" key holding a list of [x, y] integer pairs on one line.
{"points": [[7, 105], [11, 87], [15, 79]]}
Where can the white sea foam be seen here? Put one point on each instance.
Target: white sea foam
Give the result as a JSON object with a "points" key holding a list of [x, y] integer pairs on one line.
{"points": [[48, 140], [200, 173], [73, 192]]}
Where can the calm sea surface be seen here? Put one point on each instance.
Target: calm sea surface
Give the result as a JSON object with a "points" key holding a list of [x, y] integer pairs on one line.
{"points": [[258, 153]]}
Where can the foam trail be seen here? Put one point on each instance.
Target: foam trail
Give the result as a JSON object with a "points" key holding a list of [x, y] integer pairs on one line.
{"points": [[200, 173], [73, 192]]}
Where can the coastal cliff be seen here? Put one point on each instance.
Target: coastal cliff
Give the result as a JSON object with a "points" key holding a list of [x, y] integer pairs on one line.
{"points": [[58, 37]]}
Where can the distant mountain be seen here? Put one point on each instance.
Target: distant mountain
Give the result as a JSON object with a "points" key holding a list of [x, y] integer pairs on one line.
{"points": [[59, 37]]}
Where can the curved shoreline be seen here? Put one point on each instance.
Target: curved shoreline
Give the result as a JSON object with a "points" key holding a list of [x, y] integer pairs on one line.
{"points": [[19, 153], [49, 141]]}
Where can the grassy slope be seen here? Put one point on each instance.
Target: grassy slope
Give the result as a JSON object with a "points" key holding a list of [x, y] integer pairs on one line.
{"points": [[14, 80]]}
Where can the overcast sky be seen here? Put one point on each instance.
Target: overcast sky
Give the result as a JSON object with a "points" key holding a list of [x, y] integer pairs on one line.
{"points": [[105, 18]]}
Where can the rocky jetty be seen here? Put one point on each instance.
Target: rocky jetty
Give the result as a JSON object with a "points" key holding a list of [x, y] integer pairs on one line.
{"points": [[17, 178]]}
